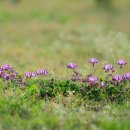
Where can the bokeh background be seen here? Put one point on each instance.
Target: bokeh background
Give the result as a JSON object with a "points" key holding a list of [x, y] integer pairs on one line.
{"points": [[50, 33]]}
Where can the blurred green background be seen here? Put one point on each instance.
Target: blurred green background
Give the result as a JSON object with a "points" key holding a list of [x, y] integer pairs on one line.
{"points": [[50, 33]]}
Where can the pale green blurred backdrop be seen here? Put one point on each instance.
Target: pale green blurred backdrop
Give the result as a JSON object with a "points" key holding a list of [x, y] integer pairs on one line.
{"points": [[50, 33]]}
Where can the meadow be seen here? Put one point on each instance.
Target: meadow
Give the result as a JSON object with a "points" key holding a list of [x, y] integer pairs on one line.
{"points": [[51, 34]]}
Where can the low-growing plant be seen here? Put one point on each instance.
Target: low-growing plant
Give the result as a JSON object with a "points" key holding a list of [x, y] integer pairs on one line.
{"points": [[111, 88]]}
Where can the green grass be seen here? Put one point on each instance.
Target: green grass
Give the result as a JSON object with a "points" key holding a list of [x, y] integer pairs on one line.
{"points": [[20, 111], [49, 34]]}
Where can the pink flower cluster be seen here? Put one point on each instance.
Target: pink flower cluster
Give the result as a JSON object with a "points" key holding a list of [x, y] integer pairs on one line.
{"points": [[108, 68], [38, 72], [7, 72]]}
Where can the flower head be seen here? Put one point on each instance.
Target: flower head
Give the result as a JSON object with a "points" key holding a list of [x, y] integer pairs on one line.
{"points": [[30, 74], [92, 80], [117, 78], [103, 84], [121, 62], [1, 73], [41, 72], [6, 67], [6, 77], [108, 67], [71, 66], [93, 61], [126, 76]]}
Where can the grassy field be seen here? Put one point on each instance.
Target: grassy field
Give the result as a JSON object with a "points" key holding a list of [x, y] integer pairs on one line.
{"points": [[25, 110], [49, 34]]}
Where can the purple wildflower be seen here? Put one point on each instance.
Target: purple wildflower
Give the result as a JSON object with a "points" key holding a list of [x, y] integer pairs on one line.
{"points": [[108, 67], [93, 61], [92, 80], [71, 66], [75, 75], [103, 84], [30, 74], [126, 76], [1, 73], [121, 63], [6, 77], [41, 72], [117, 78], [6, 67]]}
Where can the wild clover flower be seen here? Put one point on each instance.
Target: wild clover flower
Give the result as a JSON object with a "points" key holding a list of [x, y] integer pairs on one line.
{"points": [[7, 72], [126, 76], [121, 62], [75, 75], [72, 66], [93, 61], [92, 80], [30, 74], [6, 67], [6, 77], [103, 84], [117, 78], [108, 67], [41, 72]]}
